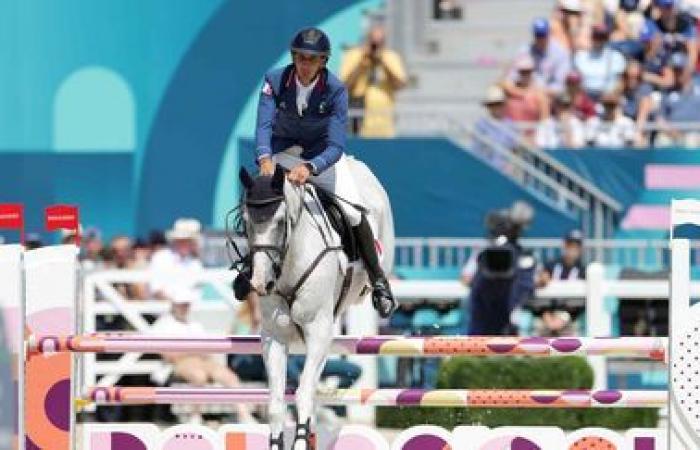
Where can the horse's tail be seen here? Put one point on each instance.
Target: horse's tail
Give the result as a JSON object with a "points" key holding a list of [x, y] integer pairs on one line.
{"points": [[386, 233], [377, 201]]}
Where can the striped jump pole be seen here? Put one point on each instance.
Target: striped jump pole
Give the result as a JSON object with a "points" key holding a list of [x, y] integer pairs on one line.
{"points": [[481, 398], [640, 347]]}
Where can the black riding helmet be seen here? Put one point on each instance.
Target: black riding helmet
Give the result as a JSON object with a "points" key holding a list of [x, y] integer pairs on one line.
{"points": [[311, 41]]}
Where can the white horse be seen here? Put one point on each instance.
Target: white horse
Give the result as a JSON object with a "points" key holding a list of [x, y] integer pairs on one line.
{"points": [[299, 270]]}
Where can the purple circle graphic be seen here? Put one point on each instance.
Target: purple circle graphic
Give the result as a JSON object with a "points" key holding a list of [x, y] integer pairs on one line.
{"points": [[57, 405], [30, 445], [426, 442], [125, 441]]}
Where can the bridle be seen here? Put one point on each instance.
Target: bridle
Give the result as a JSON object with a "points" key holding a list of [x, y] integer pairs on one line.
{"points": [[281, 249], [245, 261]]}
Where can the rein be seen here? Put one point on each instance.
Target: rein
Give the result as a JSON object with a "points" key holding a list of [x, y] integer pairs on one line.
{"points": [[244, 262]]}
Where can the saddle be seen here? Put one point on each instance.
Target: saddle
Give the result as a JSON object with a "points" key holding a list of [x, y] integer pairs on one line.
{"points": [[340, 224]]}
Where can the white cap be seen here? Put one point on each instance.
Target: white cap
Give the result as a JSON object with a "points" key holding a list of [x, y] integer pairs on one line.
{"points": [[525, 62], [494, 94], [184, 296], [571, 5], [185, 228]]}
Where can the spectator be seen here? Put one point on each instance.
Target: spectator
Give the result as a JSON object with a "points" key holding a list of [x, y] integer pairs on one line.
{"points": [[157, 240], [552, 62], [629, 20], [584, 107], [601, 66], [636, 98], [563, 129], [142, 254], [678, 31], [567, 25], [32, 241], [179, 265], [373, 74], [123, 258], [555, 317], [526, 101], [198, 369], [447, 10], [494, 127], [679, 105], [654, 58], [612, 128], [91, 251]]}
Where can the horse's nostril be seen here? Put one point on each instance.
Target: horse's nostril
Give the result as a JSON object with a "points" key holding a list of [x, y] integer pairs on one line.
{"points": [[269, 286]]}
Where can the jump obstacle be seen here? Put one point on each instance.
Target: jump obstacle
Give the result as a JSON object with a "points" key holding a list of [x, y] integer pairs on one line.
{"points": [[48, 325]]}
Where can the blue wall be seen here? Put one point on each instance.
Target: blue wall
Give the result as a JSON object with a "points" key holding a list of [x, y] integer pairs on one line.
{"points": [[165, 81], [437, 189], [101, 184]]}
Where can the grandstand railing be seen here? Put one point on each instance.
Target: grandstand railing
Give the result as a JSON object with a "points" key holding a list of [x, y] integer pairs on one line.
{"points": [[529, 167], [431, 253], [445, 253]]}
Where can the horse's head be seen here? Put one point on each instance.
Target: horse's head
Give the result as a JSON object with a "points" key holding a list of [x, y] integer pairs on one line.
{"points": [[266, 216]]}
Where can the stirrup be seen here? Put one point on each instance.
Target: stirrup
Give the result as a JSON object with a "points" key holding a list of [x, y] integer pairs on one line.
{"points": [[303, 433], [277, 442]]}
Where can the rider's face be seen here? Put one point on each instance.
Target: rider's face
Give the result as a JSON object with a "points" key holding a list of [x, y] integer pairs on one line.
{"points": [[307, 66]]}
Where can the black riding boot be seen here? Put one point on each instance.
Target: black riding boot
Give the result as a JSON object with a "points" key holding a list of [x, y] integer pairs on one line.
{"points": [[382, 298], [241, 285]]}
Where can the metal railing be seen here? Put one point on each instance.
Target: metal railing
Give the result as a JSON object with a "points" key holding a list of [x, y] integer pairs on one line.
{"points": [[533, 169], [439, 253], [436, 253]]}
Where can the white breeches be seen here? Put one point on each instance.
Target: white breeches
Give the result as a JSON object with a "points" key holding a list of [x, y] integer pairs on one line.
{"points": [[336, 179]]}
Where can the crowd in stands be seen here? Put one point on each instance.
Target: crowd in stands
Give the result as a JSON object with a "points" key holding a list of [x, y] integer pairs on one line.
{"points": [[602, 73]]}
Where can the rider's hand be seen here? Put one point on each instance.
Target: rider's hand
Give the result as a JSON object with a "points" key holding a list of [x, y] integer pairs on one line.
{"points": [[267, 167], [299, 174]]}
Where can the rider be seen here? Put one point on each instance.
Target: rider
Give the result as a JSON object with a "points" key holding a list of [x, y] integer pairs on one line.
{"points": [[301, 125]]}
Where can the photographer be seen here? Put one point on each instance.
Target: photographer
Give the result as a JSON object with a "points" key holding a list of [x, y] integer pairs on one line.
{"points": [[505, 273], [372, 74]]}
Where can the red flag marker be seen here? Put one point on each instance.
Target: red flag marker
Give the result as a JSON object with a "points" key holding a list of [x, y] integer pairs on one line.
{"points": [[63, 217], [12, 218]]}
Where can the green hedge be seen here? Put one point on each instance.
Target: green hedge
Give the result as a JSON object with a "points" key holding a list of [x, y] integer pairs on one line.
{"points": [[568, 372]]}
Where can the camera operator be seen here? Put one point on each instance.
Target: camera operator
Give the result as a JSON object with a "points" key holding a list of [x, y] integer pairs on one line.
{"points": [[505, 274], [556, 317]]}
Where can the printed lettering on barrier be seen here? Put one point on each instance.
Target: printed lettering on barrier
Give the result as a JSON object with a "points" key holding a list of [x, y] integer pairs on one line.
{"points": [[190, 437], [244, 437], [361, 437], [132, 436], [531, 438], [647, 438], [424, 437], [595, 439]]}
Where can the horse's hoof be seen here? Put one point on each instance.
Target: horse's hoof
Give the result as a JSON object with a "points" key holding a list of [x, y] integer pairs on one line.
{"points": [[304, 439], [277, 443]]}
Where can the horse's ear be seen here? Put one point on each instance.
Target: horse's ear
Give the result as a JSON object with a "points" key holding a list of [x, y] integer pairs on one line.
{"points": [[278, 179], [245, 178]]}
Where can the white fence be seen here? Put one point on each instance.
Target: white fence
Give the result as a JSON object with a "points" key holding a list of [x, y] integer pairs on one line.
{"points": [[101, 299]]}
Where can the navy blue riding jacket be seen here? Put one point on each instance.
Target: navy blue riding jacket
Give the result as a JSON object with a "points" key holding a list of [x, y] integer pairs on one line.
{"points": [[319, 130]]}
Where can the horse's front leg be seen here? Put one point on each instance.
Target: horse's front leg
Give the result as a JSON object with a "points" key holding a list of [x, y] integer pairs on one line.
{"points": [[275, 350], [318, 336]]}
